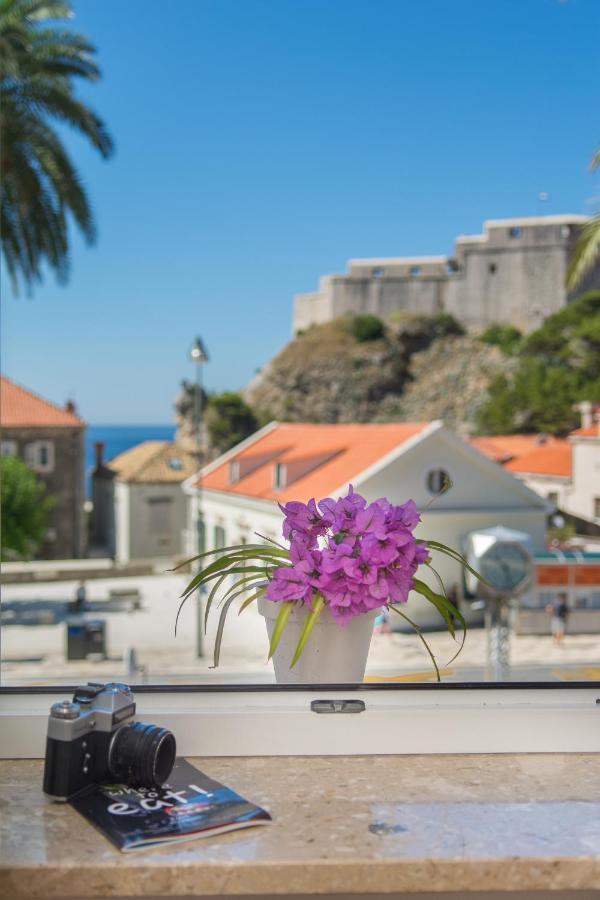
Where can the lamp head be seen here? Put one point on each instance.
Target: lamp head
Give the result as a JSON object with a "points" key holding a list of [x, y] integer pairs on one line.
{"points": [[198, 353]]}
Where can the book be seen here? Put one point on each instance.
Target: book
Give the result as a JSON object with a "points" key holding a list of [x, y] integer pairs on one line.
{"points": [[189, 806]]}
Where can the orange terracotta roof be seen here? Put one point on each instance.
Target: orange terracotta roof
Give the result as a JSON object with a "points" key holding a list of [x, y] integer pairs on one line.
{"points": [[339, 452], [505, 447], [20, 408], [591, 431], [550, 459]]}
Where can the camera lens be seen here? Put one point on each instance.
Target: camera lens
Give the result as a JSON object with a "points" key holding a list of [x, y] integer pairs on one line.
{"points": [[142, 755]]}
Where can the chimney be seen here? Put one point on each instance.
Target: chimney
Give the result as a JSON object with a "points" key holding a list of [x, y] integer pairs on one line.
{"points": [[99, 451], [585, 410], [70, 407]]}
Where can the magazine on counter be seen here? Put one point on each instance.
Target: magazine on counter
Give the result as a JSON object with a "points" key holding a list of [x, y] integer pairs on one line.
{"points": [[189, 806]]}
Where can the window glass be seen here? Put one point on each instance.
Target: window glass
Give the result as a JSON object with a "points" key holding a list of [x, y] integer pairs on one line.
{"points": [[155, 407]]}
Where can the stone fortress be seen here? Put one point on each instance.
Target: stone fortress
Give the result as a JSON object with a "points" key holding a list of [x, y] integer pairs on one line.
{"points": [[514, 273]]}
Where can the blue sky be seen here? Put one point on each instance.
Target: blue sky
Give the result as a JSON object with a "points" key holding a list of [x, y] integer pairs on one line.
{"points": [[262, 143]]}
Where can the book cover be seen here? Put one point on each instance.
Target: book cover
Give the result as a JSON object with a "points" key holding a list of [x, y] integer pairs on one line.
{"points": [[189, 806]]}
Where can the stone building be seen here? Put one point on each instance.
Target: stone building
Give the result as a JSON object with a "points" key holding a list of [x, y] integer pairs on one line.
{"points": [[139, 509], [50, 439], [513, 273]]}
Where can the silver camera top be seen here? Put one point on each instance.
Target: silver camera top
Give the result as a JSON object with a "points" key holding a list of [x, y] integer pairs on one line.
{"points": [[99, 707]]}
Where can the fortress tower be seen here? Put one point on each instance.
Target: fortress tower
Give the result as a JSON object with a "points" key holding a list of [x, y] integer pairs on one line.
{"points": [[513, 273]]}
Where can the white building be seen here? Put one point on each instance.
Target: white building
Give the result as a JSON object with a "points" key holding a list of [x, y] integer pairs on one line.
{"points": [[235, 498], [565, 472], [139, 507]]}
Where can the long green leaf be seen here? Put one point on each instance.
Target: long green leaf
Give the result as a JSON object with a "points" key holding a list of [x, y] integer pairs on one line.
{"points": [[436, 600], [233, 548], [271, 541], [246, 581], [456, 556], [454, 612], [227, 561], [221, 626], [251, 599], [234, 570], [211, 596], [318, 606], [221, 576], [280, 623], [420, 633]]}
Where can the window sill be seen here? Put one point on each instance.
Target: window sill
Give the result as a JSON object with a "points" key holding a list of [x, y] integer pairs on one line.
{"points": [[433, 826]]}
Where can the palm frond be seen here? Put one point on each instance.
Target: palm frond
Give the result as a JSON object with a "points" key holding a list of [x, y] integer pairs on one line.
{"points": [[41, 191], [585, 254]]}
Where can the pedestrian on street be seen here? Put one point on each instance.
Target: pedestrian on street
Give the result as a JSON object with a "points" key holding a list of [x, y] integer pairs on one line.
{"points": [[560, 613]]}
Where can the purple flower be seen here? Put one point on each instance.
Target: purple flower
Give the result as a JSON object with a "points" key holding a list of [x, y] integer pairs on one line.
{"points": [[368, 558], [303, 522]]}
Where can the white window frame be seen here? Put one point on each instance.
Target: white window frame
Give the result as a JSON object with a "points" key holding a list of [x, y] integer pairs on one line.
{"points": [[32, 451], [228, 720], [8, 448]]}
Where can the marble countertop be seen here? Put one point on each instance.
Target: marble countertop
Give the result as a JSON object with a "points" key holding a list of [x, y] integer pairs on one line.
{"points": [[340, 825]]}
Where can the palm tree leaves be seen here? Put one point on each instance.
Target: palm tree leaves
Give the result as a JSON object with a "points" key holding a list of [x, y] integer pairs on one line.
{"points": [[587, 249], [41, 188]]}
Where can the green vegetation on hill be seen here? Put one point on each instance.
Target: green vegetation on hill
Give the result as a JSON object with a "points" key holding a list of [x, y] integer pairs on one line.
{"points": [[556, 366], [355, 369], [229, 420], [507, 337]]}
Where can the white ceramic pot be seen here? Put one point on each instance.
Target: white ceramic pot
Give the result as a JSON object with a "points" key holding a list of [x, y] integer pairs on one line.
{"points": [[334, 654]]}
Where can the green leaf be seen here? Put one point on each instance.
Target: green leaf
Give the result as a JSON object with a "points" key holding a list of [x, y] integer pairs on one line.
{"points": [[251, 548], [454, 612], [456, 556], [233, 570], [211, 597], [446, 609], [420, 633], [251, 599], [220, 576], [318, 606], [281, 622], [271, 541], [221, 626], [436, 600]]}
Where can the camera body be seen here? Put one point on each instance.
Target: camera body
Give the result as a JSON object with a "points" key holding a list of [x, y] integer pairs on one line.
{"points": [[93, 738]]}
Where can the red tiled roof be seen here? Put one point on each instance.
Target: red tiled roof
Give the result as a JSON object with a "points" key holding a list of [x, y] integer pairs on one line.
{"points": [[591, 431], [549, 459], [20, 408], [505, 447], [340, 453]]}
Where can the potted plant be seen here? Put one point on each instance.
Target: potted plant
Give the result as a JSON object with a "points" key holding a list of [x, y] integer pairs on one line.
{"points": [[343, 561]]}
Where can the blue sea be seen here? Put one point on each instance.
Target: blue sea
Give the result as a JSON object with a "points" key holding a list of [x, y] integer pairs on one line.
{"points": [[117, 439]]}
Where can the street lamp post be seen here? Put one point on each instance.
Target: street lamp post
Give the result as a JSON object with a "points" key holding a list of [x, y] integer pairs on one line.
{"points": [[199, 356]]}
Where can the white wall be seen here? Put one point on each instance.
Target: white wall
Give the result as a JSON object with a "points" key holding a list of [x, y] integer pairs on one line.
{"points": [[586, 477], [544, 485], [136, 533], [121, 495], [240, 516]]}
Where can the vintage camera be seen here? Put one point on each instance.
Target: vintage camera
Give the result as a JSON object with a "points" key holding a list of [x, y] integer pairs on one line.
{"points": [[93, 739]]}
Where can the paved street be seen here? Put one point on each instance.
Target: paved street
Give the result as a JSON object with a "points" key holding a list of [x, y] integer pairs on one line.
{"points": [[36, 653]]}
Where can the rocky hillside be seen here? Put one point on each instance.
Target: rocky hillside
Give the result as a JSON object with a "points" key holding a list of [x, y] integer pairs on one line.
{"points": [[425, 368]]}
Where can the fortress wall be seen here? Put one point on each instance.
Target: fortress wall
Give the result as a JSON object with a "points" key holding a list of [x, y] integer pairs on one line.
{"points": [[311, 309], [514, 273], [386, 297]]}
